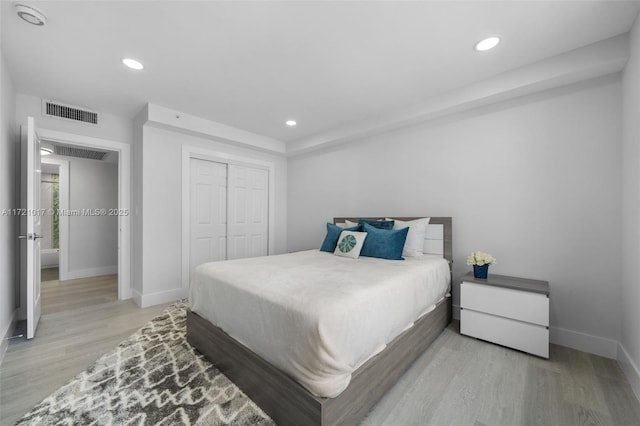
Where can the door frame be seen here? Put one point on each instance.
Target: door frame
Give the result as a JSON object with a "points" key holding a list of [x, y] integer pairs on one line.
{"points": [[189, 152], [124, 196], [63, 197]]}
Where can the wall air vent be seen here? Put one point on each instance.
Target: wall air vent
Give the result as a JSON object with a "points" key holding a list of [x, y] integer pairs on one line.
{"points": [[69, 112], [70, 151]]}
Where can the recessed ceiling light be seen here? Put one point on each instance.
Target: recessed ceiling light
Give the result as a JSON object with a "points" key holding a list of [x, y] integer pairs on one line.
{"points": [[290, 123], [132, 63], [30, 14], [487, 44]]}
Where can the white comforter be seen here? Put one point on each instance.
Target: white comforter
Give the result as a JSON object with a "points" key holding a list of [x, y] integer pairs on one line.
{"points": [[314, 315]]}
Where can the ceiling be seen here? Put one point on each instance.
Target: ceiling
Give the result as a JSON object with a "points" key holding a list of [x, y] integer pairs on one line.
{"points": [[253, 65]]}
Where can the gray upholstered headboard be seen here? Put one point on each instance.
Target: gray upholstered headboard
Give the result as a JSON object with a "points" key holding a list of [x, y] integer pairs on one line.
{"points": [[438, 239]]}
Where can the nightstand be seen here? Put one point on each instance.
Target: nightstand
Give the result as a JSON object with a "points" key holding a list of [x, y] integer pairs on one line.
{"points": [[510, 311]]}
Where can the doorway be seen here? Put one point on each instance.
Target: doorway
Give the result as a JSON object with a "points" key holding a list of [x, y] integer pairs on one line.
{"points": [[123, 213], [29, 290], [79, 245]]}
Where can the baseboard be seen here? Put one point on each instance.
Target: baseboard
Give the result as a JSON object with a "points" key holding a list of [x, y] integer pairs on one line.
{"points": [[4, 344], [137, 297], [160, 297], [630, 369], [584, 342], [91, 272]]}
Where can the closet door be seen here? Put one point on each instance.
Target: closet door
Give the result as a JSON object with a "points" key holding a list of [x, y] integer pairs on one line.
{"points": [[248, 208], [208, 212]]}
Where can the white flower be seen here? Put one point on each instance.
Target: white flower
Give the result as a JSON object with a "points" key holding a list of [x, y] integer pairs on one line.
{"points": [[479, 258]]}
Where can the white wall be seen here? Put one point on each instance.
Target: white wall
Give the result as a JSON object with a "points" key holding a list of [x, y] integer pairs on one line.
{"points": [[111, 127], [629, 354], [93, 240], [9, 157], [534, 181], [160, 212]]}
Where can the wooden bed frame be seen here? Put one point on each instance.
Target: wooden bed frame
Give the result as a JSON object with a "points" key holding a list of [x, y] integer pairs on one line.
{"points": [[286, 401]]}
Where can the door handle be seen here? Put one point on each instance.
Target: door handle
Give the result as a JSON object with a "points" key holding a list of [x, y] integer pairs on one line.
{"points": [[30, 237]]}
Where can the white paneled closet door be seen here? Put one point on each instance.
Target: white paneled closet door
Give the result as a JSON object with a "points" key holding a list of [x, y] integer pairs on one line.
{"points": [[248, 212], [208, 212]]}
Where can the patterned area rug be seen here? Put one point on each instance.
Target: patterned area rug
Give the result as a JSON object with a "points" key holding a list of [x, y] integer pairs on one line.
{"points": [[153, 378]]}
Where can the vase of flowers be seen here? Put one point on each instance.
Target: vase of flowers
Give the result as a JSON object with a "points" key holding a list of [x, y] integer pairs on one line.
{"points": [[480, 262]]}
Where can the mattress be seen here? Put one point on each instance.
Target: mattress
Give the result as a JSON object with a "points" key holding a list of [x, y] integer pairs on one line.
{"points": [[317, 316]]}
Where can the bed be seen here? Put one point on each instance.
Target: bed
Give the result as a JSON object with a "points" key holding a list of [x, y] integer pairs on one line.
{"points": [[291, 395]]}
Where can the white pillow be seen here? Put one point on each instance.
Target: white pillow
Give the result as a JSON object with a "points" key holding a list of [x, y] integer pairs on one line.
{"points": [[414, 244], [342, 225], [351, 224], [350, 244]]}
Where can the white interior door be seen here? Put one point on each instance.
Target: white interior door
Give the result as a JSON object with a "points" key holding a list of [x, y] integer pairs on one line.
{"points": [[248, 223], [208, 212], [33, 224]]}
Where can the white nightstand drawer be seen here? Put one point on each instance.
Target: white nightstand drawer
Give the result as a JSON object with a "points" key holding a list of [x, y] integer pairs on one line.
{"points": [[530, 338], [505, 302]]}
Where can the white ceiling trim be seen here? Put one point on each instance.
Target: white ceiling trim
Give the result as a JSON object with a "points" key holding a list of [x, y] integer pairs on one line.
{"points": [[170, 119], [595, 60]]}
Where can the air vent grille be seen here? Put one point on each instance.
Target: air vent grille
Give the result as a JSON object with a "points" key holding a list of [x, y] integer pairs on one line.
{"points": [[68, 112], [79, 152]]}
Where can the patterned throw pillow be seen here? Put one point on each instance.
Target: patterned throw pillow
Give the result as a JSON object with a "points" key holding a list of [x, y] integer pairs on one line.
{"points": [[350, 243]]}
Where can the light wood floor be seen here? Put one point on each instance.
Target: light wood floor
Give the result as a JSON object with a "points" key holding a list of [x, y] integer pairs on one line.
{"points": [[457, 381], [49, 274], [81, 320], [58, 296], [463, 381]]}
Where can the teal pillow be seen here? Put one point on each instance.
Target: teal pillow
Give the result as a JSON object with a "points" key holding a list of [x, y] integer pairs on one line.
{"points": [[384, 243], [333, 233], [380, 224]]}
